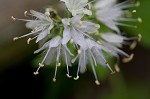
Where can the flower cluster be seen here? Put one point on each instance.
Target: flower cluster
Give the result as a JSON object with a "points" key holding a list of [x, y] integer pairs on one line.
{"points": [[77, 32]]}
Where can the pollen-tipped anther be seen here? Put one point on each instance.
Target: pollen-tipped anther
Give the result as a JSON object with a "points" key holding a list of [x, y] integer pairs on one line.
{"points": [[41, 64], [28, 41], [25, 13], [133, 45], [13, 18], [139, 37], [117, 68], [128, 59], [139, 20], [89, 6], [100, 43], [79, 51], [36, 73], [68, 76], [15, 38], [54, 79], [97, 82], [138, 4], [76, 78]]}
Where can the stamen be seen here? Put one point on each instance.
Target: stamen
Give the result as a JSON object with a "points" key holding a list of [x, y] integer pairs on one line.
{"points": [[133, 45], [97, 82], [96, 78], [112, 72], [71, 41], [139, 37], [37, 71], [76, 78], [128, 59], [16, 38], [25, 13], [13, 18], [67, 67], [139, 20], [54, 79], [59, 64], [117, 68], [89, 6]]}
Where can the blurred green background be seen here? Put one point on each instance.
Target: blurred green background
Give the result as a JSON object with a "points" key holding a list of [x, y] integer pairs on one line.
{"points": [[16, 62]]}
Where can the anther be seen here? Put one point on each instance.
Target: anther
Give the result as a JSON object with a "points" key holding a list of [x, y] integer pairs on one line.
{"points": [[117, 68], [36, 73], [68, 76], [133, 11], [13, 18], [97, 82], [54, 79], [133, 45], [41, 65], [15, 38], [139, 20], [137, 4], [76, 78], [79, 51], [25, 13], [99, 42], [139, 37], [59, 64], [71, 41], [128, 59], [28, 41]]}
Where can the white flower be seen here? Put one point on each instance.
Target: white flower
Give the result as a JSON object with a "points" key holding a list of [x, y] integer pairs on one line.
{"points": [[55, 50], [41, 26], [76, 29], [112, 14], [92, 55], [77, 7]]}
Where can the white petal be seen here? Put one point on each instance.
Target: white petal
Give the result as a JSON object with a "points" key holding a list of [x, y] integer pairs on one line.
{"points": [[66, 35], [88, 27], [55, 41], [78, 38], [112, 37], [42, 48], [42, 35], [39, 15]]}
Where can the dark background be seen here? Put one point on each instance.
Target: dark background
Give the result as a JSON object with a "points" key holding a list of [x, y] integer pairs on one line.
{"points": [[16, 63]]}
